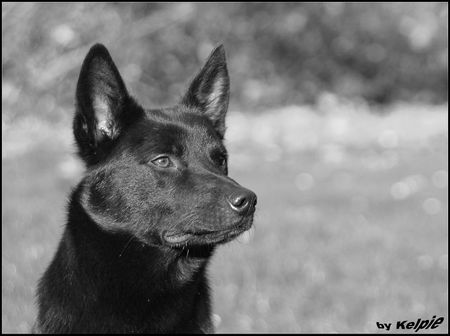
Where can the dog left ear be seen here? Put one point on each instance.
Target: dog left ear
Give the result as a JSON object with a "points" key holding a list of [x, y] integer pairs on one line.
{"points": [[101, 101], [210, 90]]}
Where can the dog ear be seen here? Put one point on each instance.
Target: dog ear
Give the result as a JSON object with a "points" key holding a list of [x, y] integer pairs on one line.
{"points": [[210, 90], [101, 97]]}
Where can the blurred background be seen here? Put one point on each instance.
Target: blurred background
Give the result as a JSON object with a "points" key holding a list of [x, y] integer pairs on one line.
{"points": [[337, 120]]}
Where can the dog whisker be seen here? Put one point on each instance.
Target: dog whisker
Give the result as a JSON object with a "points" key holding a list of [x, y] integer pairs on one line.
{"points": [[126, 246]]}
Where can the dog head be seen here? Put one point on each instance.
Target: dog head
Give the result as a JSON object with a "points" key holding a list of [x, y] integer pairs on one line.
{"points": [[158, 174]]}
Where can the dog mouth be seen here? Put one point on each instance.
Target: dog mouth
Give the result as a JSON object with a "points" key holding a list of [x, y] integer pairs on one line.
{"points": [[206, 237]]}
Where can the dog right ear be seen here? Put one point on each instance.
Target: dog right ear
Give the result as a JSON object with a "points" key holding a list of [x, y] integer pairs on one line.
{"points": [[209, 92], [101, 100]]}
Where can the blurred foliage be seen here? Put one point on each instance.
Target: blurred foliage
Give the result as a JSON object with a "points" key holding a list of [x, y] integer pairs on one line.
{"points": [[278, 53]]}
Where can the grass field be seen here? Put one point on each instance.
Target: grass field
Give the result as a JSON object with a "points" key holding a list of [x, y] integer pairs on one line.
{"points": [[351, 224]]}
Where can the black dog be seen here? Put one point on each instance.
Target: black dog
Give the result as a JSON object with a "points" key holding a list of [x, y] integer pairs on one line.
{"points": [[152, 206]]}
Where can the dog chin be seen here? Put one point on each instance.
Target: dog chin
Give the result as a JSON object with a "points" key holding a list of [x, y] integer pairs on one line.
{"points": [[200, 238]]}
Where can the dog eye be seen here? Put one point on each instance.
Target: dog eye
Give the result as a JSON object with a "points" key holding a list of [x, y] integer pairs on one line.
{"points": [[219, 158], [163, 162], [222, 161]]}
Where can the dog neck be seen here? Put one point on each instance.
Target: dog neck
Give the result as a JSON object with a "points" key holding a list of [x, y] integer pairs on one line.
{"points": [[121, 264], [129, 286]]}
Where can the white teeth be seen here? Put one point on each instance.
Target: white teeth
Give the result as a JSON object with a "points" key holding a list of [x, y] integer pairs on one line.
{"points": [[247, 236], [176, 239]]}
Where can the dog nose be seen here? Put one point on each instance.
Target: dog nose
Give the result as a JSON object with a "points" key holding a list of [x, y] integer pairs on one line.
{"points": [[242, 202]]}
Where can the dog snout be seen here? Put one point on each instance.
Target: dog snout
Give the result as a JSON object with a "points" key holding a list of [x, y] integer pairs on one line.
{"points": [[243, 202]]}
